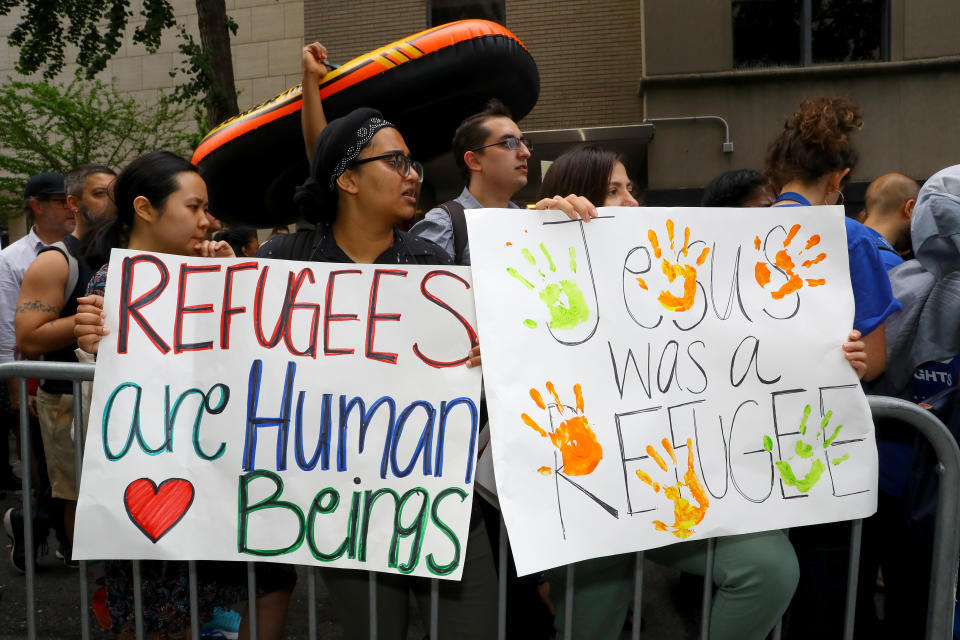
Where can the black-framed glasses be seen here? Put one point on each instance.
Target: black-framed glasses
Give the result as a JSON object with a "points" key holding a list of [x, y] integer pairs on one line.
{"points": [[400, 161], [510, 142]]}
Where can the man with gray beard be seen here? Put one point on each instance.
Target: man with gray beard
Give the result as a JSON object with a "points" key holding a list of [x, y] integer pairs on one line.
{"points": [[44, 322]]}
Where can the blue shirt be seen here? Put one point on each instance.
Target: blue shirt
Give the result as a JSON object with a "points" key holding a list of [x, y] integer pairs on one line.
{"points": [[437, 227], [888, 255], [873, 299]]}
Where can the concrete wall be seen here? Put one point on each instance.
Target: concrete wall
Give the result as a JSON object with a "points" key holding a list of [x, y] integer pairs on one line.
{"points": [[266, 54], [907, 103], [266, 51], [588, 54], [587, 78], [687, 36], [907, 124], [351, 29]]}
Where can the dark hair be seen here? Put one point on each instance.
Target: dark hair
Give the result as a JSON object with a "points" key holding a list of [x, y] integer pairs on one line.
{"points": [[583, 170], [153, 176], [472, 133], [337, 146], [237, 237], [76, 180], [814, 141], [732, 188]]}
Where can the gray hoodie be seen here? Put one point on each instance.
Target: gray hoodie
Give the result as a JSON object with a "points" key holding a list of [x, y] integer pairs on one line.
{"points": [[928, 326]]}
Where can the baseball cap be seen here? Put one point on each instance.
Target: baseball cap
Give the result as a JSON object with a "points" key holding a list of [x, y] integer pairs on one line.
{"points": [[44, 184]]}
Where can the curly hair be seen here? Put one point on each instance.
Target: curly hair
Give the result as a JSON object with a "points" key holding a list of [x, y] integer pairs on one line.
{"points": [[815, 140]]}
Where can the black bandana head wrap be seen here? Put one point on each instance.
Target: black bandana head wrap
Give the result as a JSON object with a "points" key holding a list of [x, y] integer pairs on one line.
{"points": [[340, 144]]}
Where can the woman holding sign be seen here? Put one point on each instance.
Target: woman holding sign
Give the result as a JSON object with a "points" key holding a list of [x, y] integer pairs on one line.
{"points": [[808, 164], [362, 184], [161, 207], [755, 574]]}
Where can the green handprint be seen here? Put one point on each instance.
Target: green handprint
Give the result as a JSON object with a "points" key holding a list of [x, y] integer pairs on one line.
{"points": [[805, 450], [564, 300]]}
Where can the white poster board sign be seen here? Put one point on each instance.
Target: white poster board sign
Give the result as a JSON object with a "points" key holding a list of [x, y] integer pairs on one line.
{"points": [[307, 413], [660, 375]]}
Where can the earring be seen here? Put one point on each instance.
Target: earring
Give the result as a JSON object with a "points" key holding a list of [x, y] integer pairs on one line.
{"points": [[840, 197]]}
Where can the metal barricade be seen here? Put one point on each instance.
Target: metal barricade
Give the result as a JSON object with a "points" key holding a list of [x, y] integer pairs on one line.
{"points": [[946, 544]]}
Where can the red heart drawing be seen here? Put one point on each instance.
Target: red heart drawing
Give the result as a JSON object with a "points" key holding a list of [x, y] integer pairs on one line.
{"points": [[154, 510]]}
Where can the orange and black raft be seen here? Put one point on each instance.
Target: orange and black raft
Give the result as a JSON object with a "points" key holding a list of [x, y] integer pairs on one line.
{"points": [[425, 84]]}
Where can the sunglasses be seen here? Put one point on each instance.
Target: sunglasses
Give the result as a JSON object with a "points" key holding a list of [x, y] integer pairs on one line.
{"points": [[510, 142], [400, 161]]}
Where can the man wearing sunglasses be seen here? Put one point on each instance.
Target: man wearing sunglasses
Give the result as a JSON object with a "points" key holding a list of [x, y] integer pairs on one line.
{"points": [[44, 200], [491, 153]]}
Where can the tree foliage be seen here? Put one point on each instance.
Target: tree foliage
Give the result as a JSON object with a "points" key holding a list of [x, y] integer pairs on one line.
{"points": [[96, 28], [56, 127]]}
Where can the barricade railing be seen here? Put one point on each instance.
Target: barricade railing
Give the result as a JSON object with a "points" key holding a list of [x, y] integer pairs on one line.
{"points": [[944, 565]]}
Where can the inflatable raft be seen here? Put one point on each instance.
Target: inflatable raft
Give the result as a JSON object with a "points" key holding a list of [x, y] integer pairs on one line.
{"points": [[426, 84]]}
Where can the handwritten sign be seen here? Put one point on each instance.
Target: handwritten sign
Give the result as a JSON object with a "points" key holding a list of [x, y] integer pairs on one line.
{"points": [[307, 413], [659, 375]]}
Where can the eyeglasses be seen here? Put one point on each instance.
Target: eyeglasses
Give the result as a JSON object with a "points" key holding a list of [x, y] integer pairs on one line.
{"points": [[400, 161], [60, 200], [510, 142]]}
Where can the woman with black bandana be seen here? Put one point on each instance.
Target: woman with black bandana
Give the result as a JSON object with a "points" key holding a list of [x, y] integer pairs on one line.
{"points": [[362, 184]]}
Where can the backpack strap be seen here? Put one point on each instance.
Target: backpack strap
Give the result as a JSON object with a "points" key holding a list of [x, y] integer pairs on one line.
{"points": [[459, 220], [73, 269]]}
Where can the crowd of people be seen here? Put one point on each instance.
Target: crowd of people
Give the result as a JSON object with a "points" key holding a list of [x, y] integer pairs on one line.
{"points": [[362, 190]]}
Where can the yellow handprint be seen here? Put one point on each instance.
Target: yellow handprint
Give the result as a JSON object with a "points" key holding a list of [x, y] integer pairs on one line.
{"points": [[679, 269], [685, 515]]}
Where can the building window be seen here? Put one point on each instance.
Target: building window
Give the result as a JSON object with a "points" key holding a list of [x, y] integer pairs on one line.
{"points": [[772, 33], [443, 11]]}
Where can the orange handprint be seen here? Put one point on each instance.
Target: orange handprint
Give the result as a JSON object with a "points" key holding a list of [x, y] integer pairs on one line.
{"points": [[678, 269], [574, 438], [786, 264], [685, 515]]}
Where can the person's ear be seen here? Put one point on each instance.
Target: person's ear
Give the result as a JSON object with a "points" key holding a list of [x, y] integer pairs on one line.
{"points": [[34, 205], [908, 208], [472, 161], [840, 177], [348, 182], [144, 210], [73, 203]]}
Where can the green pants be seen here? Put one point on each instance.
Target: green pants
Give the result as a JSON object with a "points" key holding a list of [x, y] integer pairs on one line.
{"points": [[755, 575]]}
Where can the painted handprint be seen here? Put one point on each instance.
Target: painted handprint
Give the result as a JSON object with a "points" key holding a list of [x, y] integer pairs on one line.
{"points": [[574, 438], [679, 269], [563, 298], [685, 515], [806, 450], [787, 264]]}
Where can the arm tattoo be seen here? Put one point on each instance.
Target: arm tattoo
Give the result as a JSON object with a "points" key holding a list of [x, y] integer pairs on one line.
{"points": [[37, 305]]}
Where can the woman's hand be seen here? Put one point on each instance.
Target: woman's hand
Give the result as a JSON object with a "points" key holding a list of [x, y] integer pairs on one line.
{"points": [[576, 207], [474, 356], [855, 351], [88, 326], [312, 61], [214, 249]]}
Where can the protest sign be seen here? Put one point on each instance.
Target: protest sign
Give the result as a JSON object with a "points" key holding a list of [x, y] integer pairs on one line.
{"points": [[306, 413], [660, 375]]}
